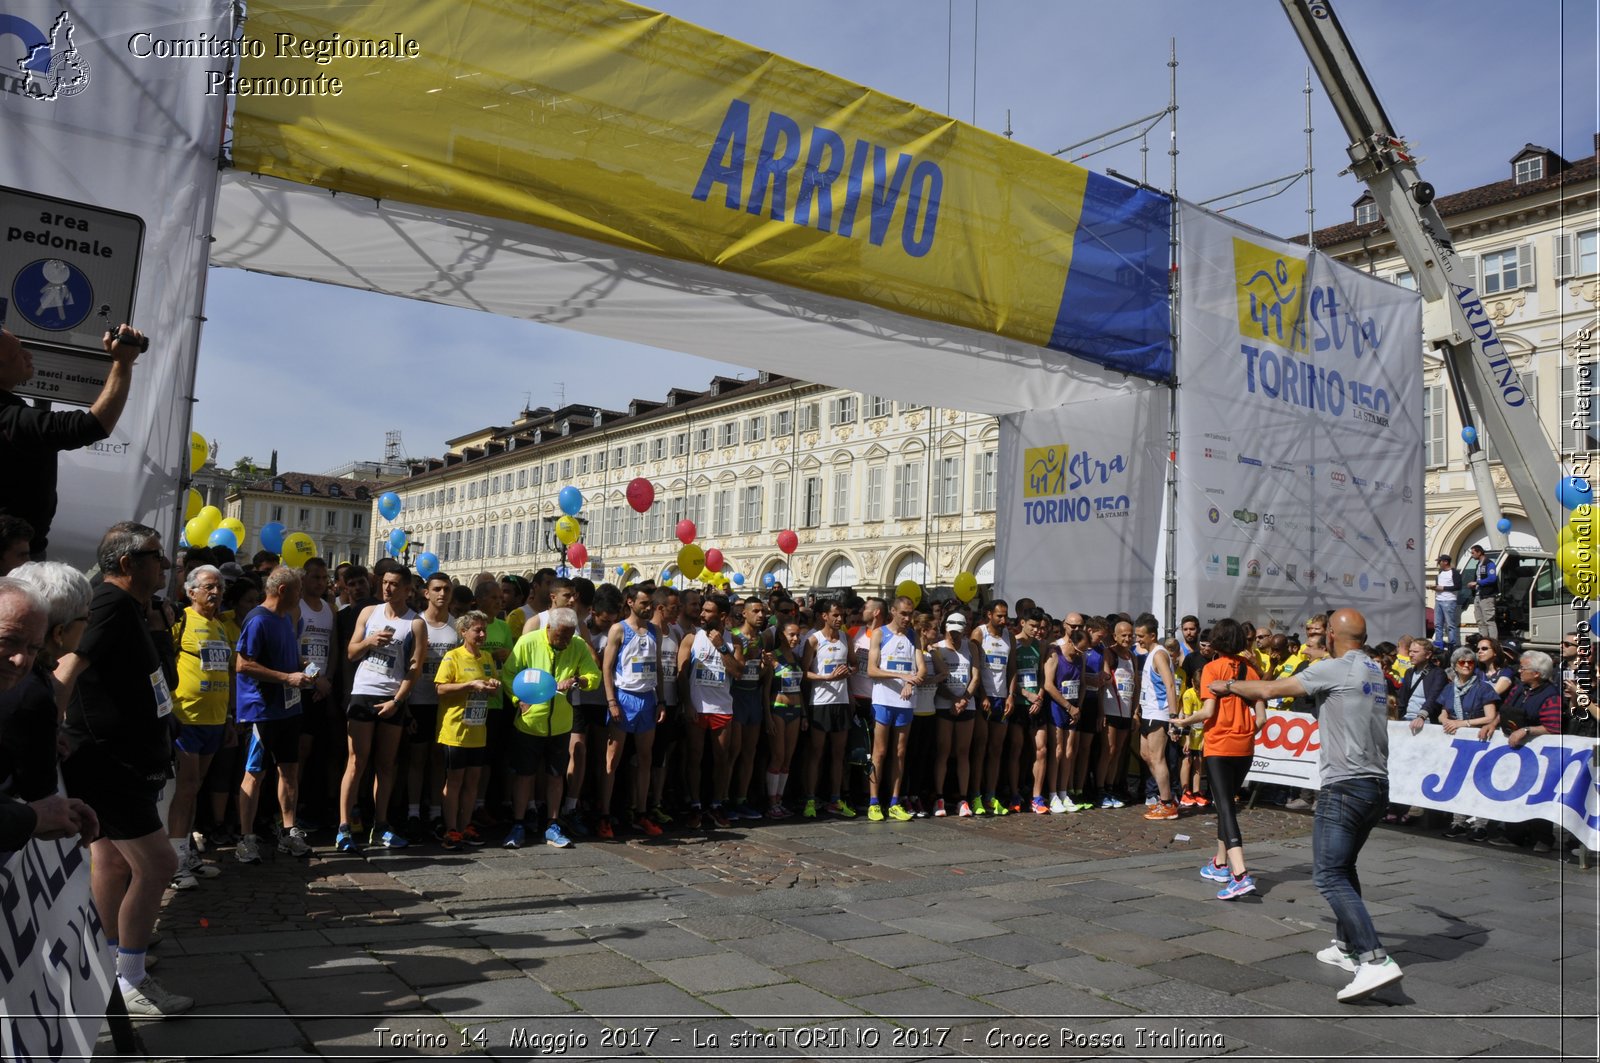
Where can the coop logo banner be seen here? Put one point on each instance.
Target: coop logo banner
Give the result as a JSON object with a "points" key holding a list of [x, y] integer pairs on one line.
{"points": [[1061, 485], [41, 63]]}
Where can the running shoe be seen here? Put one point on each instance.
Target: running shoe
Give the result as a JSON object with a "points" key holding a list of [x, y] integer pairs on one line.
{"points": [[388, 838], [1111, 800], [1040, 808], [1075, 805], [1338, 957], [777, 811], [978, 807], [606, 833], [199, 868], [1237, 887], [344, 841], [997, 808], [293, 842], [1201, 800], [1057, 805], [572, 823], [747, 811], [1216, 872], [1015, 804], [1370, 977], [915, 806], [659, 815], [693, 819], [964, 811], [1163, 810], [515, 837], [150, 999], [451, 841], [472, 837], [810, 809], [899, 814], [720, 818], [648, 826], [875, 812], [1187, 800], [248, 851], [841, 808], [938, 809], [554, 837], [183, 880]]}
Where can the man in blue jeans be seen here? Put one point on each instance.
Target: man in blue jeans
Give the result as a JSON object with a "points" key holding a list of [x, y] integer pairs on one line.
{"points": [[1447, 605], [1350, 699]]}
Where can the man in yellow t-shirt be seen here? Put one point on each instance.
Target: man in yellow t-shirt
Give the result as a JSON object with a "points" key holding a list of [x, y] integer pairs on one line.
{"points": [[465, 682], [203, 704]]}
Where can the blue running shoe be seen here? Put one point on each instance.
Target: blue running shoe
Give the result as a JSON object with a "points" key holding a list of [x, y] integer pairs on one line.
{"points": [[344, 841], [389, 838], [554, 837], [1236, 888], [1214, 873], [515, 836]]}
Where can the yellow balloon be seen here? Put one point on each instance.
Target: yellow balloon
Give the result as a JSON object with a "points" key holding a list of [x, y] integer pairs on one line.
{"points": [[191, 504], [199, 451], [966, 586], [298, 548], [568, 529], [235, 525], [691, 561], [908, 588], [196, 532], [210, 518]]}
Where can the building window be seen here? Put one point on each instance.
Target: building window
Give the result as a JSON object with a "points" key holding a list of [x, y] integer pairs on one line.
{"points": [[1576, 254], [696, 509], [277, 513], [908, 491], [494, 486], [356, 522], [841, 497], [842, 410], [947, 491], [334, 492], [355, 555], [480, 552], [566, 468], [277, 485], [452, 495], [550, 472], [702, 440], [1433, 416], [811, 502], [658, 448], [983, 483], [535, 476], [333, 520], [680, 444], [876, 476], [750, 511], [472, 490], [516, 537], [306, 488], [722, 512], [782, 423], [583, 464], [1505, 271], [522, 478], [810, 417], [878, 406], [755, 429], [654, 528], [1366, 212], [1406, 279], [780, 504], [1529, 169], [599, 461], [493, 546], [728, 434], [305, 517]]}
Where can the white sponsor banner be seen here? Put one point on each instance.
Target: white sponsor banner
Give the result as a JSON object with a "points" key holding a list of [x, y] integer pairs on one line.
{"points": [[97, 122], [1079, 501], [54, 962], [1550, 778], [1300, 454]]}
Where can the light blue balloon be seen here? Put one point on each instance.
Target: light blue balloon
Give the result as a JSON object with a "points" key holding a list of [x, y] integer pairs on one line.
{"points": [[397, 540], [738, 579], [571, 500], [389, 505], [427, 564], [533, 686], [1469, 435], [1504, 524], [1574, 491], [769, 581], [224, 537], [272, 534]]}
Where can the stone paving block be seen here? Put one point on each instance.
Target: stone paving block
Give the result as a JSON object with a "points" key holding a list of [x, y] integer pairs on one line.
{"points": [[1423, 1035], [1091, 972], [839, 926], [652, 941], [202, 944], [1111, 889], [786, 1001], [1214, 973], [359, 993], [213, 980], [389, 934], [923, 1004], [1300, 998], [1295, 1035], [788, 947], [1014, 950], [1154, 925], [1236, 947], [526, 948], [322, 961], [408, 1036], [903, 950], [493, 997], [715, 973], [946, 926], [970, 974], [1123, 947], [718, 927], [431, 965], [221, 1030], [849, 977], [1569, 1034], [1053, 999], [589, 970], [1185, 998]]}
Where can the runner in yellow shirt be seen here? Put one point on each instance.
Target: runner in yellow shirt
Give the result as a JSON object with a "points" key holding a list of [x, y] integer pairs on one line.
{"points": [[465, 682]]}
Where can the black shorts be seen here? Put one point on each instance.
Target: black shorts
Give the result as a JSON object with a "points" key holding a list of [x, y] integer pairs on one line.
{"points": [[280, 739], [126, 805], [1120, 723], [535, 754], [948, 712], [1088, 720], [458, 757], [593, 716], [669, 732], [313, 715], [1150, 727], [426, 721], [361, 710], [830, 719]]}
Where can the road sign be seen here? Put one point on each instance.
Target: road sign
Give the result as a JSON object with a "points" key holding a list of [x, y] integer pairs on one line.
{"points": [[68, 272]]}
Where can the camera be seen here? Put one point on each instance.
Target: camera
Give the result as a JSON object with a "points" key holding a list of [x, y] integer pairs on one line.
{"points": [[120, 336]]}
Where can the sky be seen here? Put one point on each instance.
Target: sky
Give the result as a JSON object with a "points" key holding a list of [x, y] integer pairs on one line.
{"points": [[1467, 82]]}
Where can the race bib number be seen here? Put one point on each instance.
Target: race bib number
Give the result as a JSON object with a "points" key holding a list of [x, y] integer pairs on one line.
{"points": [[1073, 688], [669, 669], [214, 656], [1030, 681], [383, 660], [861, 659], [436, 652], [314, 647], [899, 666], [158, 687], [789, 681], [291, 698], [752, 672], [995, 660], [476, 714], [646, 669]]}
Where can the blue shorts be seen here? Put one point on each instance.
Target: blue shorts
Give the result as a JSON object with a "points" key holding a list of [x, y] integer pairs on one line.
{"points": [[638, 712], [992, 709], [893, 715], [748, 708], [1059, 715], [201, 739]]}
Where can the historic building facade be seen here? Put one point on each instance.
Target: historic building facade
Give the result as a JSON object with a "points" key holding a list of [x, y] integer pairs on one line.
{"points": [[877, 491], [336, 512]]}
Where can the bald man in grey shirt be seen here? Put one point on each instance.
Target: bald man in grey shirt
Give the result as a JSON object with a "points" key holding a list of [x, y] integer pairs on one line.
{"points": [[1348, 694]]}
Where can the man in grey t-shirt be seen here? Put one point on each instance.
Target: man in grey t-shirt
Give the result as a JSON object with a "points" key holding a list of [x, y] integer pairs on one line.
{"points": [[1350, 698]]}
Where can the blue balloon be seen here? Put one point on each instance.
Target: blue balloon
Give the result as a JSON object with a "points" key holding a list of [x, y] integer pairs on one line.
{"points": [[1574, 491], [1469, 435], [1504, 524], [272, 534], [738, 579], [427, 564], [769, 581], [397, 540], [571, 500], [389, 505], [533, 686], [224, 537]]}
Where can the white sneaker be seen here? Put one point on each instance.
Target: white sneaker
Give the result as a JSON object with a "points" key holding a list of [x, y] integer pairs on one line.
{"points": [[198, 868], [1339, 958], [248, 851], [1370, 977], [1057, 806], [184, 880], [150, 999], [293, 841]]}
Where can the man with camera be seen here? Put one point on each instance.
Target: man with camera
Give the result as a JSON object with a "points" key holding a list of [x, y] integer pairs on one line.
{"points": [[30, 438]]}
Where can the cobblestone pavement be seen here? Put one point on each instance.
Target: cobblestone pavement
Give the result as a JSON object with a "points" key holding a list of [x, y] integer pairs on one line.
{"points": [[1040, 937]]}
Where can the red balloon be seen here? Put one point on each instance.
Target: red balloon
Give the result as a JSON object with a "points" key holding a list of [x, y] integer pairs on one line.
{"points": [[686, 532], [788, 541], [713, 560], [577, 555], [642, 494]]}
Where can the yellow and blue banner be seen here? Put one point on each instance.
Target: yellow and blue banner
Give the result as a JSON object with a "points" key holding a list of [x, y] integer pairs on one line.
{"points": [[617, 124]]}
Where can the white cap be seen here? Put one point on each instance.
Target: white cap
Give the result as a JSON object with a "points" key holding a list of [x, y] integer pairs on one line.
{"points": [[955, 622]]}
